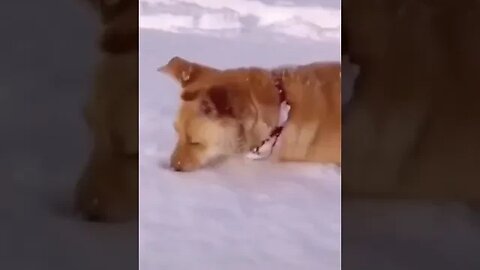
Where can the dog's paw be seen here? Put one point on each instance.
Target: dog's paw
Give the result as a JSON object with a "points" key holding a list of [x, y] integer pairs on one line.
{"points": [[107, 193]]}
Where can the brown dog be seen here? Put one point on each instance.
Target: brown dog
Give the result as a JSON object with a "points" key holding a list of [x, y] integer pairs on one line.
{"points": [[226, 112], [108, 187]]}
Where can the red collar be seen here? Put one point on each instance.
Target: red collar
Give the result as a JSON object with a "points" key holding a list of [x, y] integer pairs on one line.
{"points": [[256, 152], [278, 82], [279, 85]]}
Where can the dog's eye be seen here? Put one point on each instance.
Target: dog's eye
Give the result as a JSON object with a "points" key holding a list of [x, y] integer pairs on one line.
{"points": [[195, 143]]}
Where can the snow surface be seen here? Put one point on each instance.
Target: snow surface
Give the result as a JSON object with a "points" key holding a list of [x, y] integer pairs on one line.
{"points": [[313, 20], [259, 215], [243, 214]]}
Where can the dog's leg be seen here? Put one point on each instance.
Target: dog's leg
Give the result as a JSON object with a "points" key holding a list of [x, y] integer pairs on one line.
{"points": [[295, 142]]}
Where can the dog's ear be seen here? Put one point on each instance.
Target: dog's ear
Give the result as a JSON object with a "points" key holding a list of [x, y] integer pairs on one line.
{"points": [[185, 72], [218, 101]]}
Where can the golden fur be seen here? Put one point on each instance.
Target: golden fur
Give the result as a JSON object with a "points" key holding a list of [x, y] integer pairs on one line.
{"points": [[226, 112]]}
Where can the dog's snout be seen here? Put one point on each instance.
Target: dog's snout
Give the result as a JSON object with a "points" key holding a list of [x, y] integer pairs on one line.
{"points": [[177, 166], [183, 159], [177, 169]]}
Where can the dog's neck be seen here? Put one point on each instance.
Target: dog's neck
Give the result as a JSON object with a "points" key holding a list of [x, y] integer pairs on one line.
{"points": [[265, 148]]}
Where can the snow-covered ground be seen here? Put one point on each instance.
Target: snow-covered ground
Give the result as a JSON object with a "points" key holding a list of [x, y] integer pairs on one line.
{"points": [[312, 20], [244, 214], [259, 215]]}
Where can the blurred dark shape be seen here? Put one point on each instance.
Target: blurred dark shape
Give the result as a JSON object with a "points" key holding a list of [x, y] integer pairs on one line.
{"points": [[410, 137]]}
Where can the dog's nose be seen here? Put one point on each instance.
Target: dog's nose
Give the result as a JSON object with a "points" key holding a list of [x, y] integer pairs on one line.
{"points": [[177, 166]]}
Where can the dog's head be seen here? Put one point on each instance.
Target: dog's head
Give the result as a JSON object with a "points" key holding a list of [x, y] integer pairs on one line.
{"points": [[215, 109]]}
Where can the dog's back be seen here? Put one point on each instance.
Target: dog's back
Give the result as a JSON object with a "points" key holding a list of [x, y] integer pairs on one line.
{"points": [[313, 131]]}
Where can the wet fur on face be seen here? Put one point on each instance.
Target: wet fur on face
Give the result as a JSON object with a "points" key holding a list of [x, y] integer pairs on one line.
{"points": [[228, 112]]}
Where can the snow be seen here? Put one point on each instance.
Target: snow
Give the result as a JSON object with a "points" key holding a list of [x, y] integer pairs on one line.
{"points": [[259, 215], [170, 22], [243, 214], [314, 21]]}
